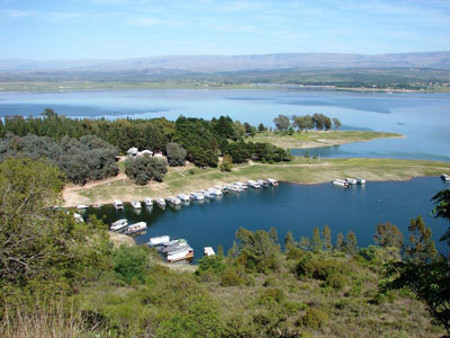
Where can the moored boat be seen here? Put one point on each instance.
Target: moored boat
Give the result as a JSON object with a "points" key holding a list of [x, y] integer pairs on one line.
{"points": [[340, 183], [361, 180], [273, 182], [445, 177], [184, 198], [135, 228], [148, 202], [181, 255], [160, 202], [351, 181], [179, 244], [157, 241], [119, 225], [208, 251], [136, 204], [78, 218], [82, 207], [173, 200], [118, 204]]}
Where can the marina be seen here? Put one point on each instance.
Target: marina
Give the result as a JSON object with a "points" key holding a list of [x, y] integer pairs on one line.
{"points": [[291, 207]]}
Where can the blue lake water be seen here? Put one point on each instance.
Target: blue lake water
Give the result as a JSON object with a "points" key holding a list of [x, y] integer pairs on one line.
{"points": [[296, 208], [423, 118]]}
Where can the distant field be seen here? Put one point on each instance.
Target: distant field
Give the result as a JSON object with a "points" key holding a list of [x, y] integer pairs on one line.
{"points": [[312, 139], [302, 171]]}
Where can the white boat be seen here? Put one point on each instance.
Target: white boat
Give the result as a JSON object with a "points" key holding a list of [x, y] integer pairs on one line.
{"points": [[184, 197], [173, 200], [351, 181], [118, 204], [181, 255], [241, 185], [179, 244], [119, 225], [445, 177], [340, 183], [205, 194], [148, 202], [135, 228], [160, 202], [361, 180], [261, 183], [273, 182], [82, 207], [156, 241], [78, 218], [214, 192], [198, 196], [136, 204], [208, 251], [254, 184]]}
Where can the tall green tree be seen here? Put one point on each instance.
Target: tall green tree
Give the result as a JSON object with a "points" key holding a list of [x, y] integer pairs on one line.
{"points": [[442, 210], [351, 243], [340, 242], [421, 247], [388, 235], [326, 234], [282, 122], [316, 242]]}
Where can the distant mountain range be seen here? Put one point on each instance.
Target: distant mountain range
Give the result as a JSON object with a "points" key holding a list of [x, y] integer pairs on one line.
{"points": [[220, 63]]}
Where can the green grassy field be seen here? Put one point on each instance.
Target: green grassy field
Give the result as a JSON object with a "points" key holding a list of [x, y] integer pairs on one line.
{"points": [[300, 170], [319, 138]]}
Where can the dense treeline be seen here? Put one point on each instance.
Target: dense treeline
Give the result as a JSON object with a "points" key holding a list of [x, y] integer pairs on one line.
{"points": [[305, 122], [152, 134], [62, 278], [201, 141], [83, 160]]}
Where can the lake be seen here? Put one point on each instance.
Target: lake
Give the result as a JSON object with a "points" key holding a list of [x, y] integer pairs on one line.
{"points": [[291, 207], [423, 117]]}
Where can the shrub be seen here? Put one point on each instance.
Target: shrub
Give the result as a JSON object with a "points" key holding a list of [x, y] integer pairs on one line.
{"points": [[314, 319], [272, 295], [231, 278], [131, 263], [336, 281]]}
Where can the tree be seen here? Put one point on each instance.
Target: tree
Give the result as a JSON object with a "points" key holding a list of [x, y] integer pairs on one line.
{"points": [[350, 243], [309, 122], [144, 169], [326, 233], [388, 235], [249, 129], [227, 163], [261, 127], [289, 240], [316, 240], [340, 242], [282, 122], [239, 130], [336, 123], [176, 154], [421, 248], [299, 122], [327, 123], [257, 251], [442, 210], [304, 243]]}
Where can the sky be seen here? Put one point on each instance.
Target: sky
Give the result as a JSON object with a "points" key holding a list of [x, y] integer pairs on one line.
{"points": [[116, 29]]}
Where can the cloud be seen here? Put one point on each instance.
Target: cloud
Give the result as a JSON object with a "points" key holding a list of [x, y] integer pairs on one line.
{"points": [[17, 13], [143, 21]]}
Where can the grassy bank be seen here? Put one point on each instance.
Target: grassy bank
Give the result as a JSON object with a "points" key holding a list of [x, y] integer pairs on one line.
{"points": [[300, 171], [312, 139]]}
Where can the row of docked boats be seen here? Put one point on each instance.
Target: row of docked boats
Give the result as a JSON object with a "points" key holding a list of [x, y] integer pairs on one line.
{"points": [[174, 250], [346, 183]]}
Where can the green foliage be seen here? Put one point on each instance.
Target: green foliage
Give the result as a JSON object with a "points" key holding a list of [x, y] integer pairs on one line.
{"points": [[442, 209], [319, 267], [257, 251], [421, 247], [326, 233], [429, 281], [340, 242], [215, 263], [131, 263], [282, 122], [39, 243], [316, 243], [144, 169], [176, 154], [231, 277], [350, 244], [81, 161], [314, 319], [227, 163], [388, 235], [336, 281]]}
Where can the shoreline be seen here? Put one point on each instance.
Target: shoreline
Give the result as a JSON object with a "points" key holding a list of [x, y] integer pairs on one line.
{"points": [[320, 172]]}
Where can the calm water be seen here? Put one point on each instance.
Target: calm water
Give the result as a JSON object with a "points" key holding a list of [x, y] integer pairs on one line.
{"points": [[296, 208], [423, 118]]}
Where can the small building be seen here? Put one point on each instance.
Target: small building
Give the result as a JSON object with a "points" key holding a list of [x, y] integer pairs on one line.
{"points": [[133, 151], [208, 251], [145, 152]]}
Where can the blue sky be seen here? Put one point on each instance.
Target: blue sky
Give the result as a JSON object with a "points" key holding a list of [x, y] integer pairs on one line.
{"points": [[75, 29]]}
